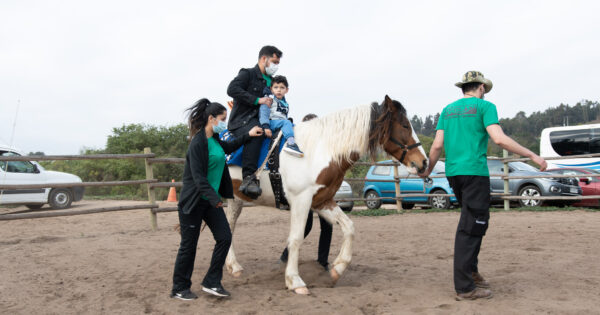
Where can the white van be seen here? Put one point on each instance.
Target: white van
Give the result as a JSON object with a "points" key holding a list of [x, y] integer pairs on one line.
{"points": [[25, 172], [571, 140]]}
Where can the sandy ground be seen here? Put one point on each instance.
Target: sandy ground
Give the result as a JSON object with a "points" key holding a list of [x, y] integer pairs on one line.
{"points": [[112, 263]]}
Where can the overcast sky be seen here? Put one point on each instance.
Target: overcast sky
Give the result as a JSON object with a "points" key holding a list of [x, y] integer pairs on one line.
{"points": [[80, 68]]}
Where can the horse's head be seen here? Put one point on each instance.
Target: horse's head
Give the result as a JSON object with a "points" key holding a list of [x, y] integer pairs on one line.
{"points": [[391, 129]]}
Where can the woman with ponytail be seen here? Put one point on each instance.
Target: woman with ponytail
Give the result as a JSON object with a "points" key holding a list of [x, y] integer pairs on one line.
{"points": [[205, 181]]}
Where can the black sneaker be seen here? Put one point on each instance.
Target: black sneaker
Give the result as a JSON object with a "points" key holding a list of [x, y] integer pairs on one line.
{"points": [[251, 187], [218, 291], [324, 265], [293, 149], [185, 295]]}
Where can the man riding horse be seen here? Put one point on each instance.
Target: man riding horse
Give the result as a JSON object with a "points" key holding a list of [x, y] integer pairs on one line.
{"points": [[247, 92]]}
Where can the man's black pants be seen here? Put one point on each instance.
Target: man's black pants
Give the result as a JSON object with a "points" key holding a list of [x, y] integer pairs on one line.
{"points": [[251, 150], [324, 239], [473, 195], [190, 231]]}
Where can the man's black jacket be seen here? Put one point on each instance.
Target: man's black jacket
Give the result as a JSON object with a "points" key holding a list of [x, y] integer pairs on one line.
{"points": [[245, 88], [195, 184]]}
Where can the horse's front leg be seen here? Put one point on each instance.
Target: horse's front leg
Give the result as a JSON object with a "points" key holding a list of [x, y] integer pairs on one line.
{"points": [[234, 208], [343, 259], [300, 206]]}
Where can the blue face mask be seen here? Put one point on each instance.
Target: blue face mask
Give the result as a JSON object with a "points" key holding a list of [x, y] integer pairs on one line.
{"points": [[220, 127]]}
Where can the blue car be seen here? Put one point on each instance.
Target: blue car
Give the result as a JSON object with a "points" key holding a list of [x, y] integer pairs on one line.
{"points": [[373, 190]]}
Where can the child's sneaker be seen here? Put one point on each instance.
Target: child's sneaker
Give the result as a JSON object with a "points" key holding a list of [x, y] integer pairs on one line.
{"points": [[293, 149]]}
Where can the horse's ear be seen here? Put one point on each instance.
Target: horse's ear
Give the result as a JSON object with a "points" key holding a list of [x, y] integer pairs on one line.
{"points": [[389, 104]]}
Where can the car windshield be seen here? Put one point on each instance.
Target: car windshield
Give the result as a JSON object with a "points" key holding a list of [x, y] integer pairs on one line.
{"points": [[520, 166], [440, 168]]}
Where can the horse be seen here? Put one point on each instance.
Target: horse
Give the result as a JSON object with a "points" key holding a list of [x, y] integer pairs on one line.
{"points": [[331, 144]]}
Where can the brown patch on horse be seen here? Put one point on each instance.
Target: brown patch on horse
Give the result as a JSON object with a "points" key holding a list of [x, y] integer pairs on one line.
{"points": [[236, 190], [331, 177]]}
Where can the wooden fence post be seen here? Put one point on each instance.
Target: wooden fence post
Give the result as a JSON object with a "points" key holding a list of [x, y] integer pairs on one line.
{"points": [[505, 166], [397, 186], [151, 192]]}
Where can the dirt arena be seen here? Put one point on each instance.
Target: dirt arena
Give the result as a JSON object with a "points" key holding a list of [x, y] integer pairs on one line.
{"points": [[112, 263]]}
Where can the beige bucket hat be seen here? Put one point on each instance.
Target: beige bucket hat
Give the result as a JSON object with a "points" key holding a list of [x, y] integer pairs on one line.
{"points": [[475, 76]]}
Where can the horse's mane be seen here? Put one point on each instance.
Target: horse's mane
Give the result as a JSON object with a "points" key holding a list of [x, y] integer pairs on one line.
{"points": [[339, 134], [362, 129]]}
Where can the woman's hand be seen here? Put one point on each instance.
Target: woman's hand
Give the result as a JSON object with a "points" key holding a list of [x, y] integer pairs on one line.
{"points": [[256, 131], [219, 205]]}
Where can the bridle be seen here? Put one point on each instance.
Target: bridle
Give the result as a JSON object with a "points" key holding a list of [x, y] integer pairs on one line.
{"points": [[404, 147], [375, 112]]}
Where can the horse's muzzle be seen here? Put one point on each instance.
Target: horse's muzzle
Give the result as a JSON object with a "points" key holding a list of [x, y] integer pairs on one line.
{"points": [[421, 169]]}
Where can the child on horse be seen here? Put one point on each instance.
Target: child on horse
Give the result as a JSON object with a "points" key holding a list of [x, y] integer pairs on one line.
{"points": [[275, 118]]}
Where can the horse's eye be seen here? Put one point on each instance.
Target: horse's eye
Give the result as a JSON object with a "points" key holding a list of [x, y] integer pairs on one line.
{"points": [[406, 126]]}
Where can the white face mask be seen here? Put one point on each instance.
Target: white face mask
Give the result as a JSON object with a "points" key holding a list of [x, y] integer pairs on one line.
{"points": [[271, 69]]}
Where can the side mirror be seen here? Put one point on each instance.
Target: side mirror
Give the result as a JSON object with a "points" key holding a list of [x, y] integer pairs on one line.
{"points": [[584, 180], [36, 169]]}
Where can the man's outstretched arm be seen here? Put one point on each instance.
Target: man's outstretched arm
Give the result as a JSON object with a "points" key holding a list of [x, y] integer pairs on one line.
{"points": [[507, 143]]}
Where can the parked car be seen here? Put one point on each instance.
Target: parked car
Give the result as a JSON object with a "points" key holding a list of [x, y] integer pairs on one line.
{"points": [[589, 185], [345, 191], [25, 172], [373, 190], [531, 186]]}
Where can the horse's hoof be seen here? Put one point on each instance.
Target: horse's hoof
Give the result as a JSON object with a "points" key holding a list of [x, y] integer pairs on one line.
{"points": [[334, 275], [302, 291], [237, 274]]}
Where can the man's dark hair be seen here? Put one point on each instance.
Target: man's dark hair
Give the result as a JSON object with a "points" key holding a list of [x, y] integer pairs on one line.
{"points": [[269, 51], [308, 117], [280, 79], [471, 86]]}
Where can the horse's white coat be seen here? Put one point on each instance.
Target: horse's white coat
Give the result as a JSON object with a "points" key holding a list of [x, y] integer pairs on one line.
{"points": [[413, 170], [332, 138]]}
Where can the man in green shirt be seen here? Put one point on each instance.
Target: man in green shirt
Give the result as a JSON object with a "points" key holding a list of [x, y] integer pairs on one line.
{"points": [[463, 130]]}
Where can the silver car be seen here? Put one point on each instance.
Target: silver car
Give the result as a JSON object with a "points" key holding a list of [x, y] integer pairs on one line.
{"points": [[532, 186], [345, 191]]}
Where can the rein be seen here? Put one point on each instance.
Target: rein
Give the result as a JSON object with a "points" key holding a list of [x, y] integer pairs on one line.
{"points": [[404, 147]]}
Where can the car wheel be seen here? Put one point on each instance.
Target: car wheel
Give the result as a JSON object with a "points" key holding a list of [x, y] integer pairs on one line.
{"points": [[439, 202], [371, 202], [60, 198], [408, 206], [34, 206], [349, 208], [530, 191]]}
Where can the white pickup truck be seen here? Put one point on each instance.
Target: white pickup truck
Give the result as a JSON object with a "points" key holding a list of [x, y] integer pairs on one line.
{"points": [[28, 173]]}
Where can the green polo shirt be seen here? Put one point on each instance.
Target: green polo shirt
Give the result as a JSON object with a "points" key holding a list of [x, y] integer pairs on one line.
{"points": [[465, 136], [216, 164]]}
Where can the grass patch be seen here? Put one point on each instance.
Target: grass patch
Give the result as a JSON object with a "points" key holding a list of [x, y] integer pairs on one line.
{"points": [[384, 212], [373, 212], [543, 209]]}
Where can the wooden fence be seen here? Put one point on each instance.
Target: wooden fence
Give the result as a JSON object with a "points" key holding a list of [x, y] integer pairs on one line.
{"points": [[150, 159]]}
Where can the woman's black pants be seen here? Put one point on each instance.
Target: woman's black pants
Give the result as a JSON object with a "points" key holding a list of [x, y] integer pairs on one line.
{"points": [[190, 231]]}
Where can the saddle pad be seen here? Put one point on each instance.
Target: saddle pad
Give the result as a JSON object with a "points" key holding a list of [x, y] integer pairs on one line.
{"points": [[235, 158]]}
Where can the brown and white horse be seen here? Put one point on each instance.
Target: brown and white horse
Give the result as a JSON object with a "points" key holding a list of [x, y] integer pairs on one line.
{"points": [[331, 146]]}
